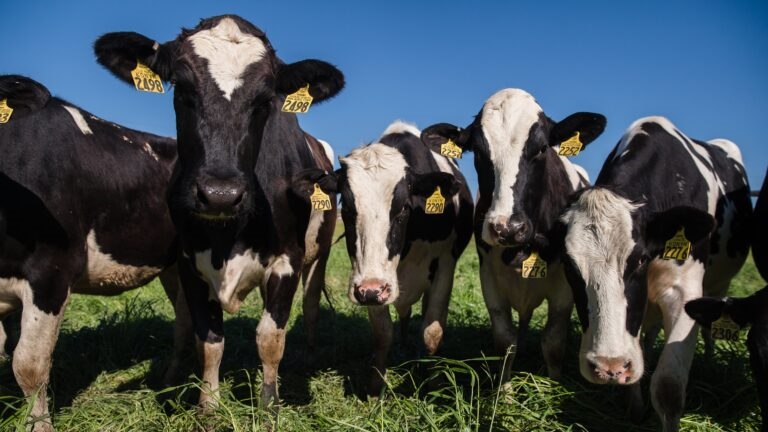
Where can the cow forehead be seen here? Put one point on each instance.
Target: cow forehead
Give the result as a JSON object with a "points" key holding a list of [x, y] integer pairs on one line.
{"points": [[506, 121], [373, 172], [228, 51]]}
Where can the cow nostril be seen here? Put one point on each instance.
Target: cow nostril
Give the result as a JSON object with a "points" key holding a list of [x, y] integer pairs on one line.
{"points": [[201, 196]]}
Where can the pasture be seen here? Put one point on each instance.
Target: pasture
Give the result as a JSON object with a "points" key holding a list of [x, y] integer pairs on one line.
{"points": [[112, 352]]}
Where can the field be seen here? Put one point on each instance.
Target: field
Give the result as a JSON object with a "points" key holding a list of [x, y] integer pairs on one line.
{"points": [[112, 353]]}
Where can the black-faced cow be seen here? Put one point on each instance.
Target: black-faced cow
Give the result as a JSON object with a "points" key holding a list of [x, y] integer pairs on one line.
{"points": [[407, 216], [750, 311], [523, 186], [240, 222], [660, 194], [82, 210]]}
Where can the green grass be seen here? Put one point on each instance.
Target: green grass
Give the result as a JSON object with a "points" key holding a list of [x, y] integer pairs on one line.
{"points": [[112, 353]]}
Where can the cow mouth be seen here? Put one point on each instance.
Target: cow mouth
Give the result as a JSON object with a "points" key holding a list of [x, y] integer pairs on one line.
{"points": [[214, 217]]}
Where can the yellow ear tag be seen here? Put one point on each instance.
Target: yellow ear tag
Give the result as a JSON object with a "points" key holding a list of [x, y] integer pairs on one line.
{"points": [[320, 200], [435, 203], [534, 267], [725, 329], [5, 111], [451, 150], [571, 147], [298, 102], [145, 79], [678, 247]]}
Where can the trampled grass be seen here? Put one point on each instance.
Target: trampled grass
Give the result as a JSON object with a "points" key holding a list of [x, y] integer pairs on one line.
{"points": [[112, 353]]}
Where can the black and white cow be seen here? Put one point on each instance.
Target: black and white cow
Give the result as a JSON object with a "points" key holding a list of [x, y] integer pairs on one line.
{"points": [[750, 311], [241, 223], [399, 252], [82, 210], [654, 183], [523, 186]]}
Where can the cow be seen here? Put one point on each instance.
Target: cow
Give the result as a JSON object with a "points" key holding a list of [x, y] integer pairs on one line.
{"points": [[241, 224], [523, 185], [750, 311], [666, 220], [82, 210], [403, 245]]}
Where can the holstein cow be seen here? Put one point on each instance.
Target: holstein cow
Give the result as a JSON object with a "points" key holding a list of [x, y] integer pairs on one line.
{"points": [[407, 216], [241, 223], [82, 210], [523, 186], [660, 194], [750, 311]]}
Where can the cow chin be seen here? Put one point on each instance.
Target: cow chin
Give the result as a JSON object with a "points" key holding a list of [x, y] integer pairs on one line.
{"points": [[615, 366]]}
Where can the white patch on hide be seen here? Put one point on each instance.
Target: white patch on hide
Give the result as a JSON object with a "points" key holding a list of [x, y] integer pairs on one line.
{"points": [[77, 116]]}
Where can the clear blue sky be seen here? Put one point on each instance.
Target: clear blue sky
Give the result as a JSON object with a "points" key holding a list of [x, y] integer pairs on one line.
{"points": [[703, 64]]}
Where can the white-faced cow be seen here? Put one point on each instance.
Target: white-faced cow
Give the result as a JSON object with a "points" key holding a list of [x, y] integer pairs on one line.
{"points": [[750, 311], [523, 187], [402, 243], [82, 210], [241, 223], [660, 194]]}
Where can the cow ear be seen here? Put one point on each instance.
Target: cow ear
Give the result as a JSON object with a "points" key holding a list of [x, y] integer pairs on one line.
{"points": [[119, 53], [23, 95], [588, 125], [304, 181], [662, 226], [424, 185], [324, 79], [705, 310], [438, 134]]}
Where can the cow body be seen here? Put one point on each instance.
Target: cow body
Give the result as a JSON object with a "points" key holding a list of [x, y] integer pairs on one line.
{"points": [[241, 223], [523, 186], [654, 183], [82, 205], [401, 252]]}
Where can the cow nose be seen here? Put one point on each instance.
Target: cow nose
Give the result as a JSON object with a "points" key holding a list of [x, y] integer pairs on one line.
{"points": [[372, 292], [220, 196], [514, 231], [612, 369]]}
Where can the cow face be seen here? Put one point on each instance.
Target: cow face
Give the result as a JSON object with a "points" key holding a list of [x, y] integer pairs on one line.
{"points": [[513, 143], [379, 193], [227, 82], [612, 247]]}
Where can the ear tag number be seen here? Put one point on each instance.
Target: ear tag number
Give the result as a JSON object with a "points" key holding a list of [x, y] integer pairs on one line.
{"points": [[571, 147], [451, 150], [145, 79], [725, 329], [320, 200], [298, 102], [5, 111], [534, 267], [678, 247], [435, 203]]}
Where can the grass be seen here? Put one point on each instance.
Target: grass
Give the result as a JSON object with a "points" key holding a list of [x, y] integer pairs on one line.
{"points": [[112, 352]]}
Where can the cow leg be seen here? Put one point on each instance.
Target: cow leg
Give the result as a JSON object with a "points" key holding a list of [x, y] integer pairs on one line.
{"points": [[499, 310], [182, 324], [34, 351], [381, 324], [670, 379], [436, 313], [3, 341], [281, 286], [208, 323], [635, 405], [313, 281], [559, 307]]}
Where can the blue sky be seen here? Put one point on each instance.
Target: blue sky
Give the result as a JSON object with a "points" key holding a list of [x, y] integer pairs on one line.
{"points": [[702, 64]]}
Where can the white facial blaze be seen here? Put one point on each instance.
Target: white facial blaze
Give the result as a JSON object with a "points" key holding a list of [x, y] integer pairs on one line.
{"points": [[372, 174], [77, 116], [599, 241], [507, 118], [229, 52]]}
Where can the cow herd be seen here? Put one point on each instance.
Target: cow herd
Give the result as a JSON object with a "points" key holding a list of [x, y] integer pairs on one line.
{"points": [[244, 198]]}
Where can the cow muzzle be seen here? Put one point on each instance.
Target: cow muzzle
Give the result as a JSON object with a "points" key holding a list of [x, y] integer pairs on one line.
{"points": [[219, 198], [610, 370], [373, 292], [512, 232]]}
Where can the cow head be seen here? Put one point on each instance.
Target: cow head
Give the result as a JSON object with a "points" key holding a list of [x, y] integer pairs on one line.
{"points": [[612, 247], [227, 81], [513, 142]]}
